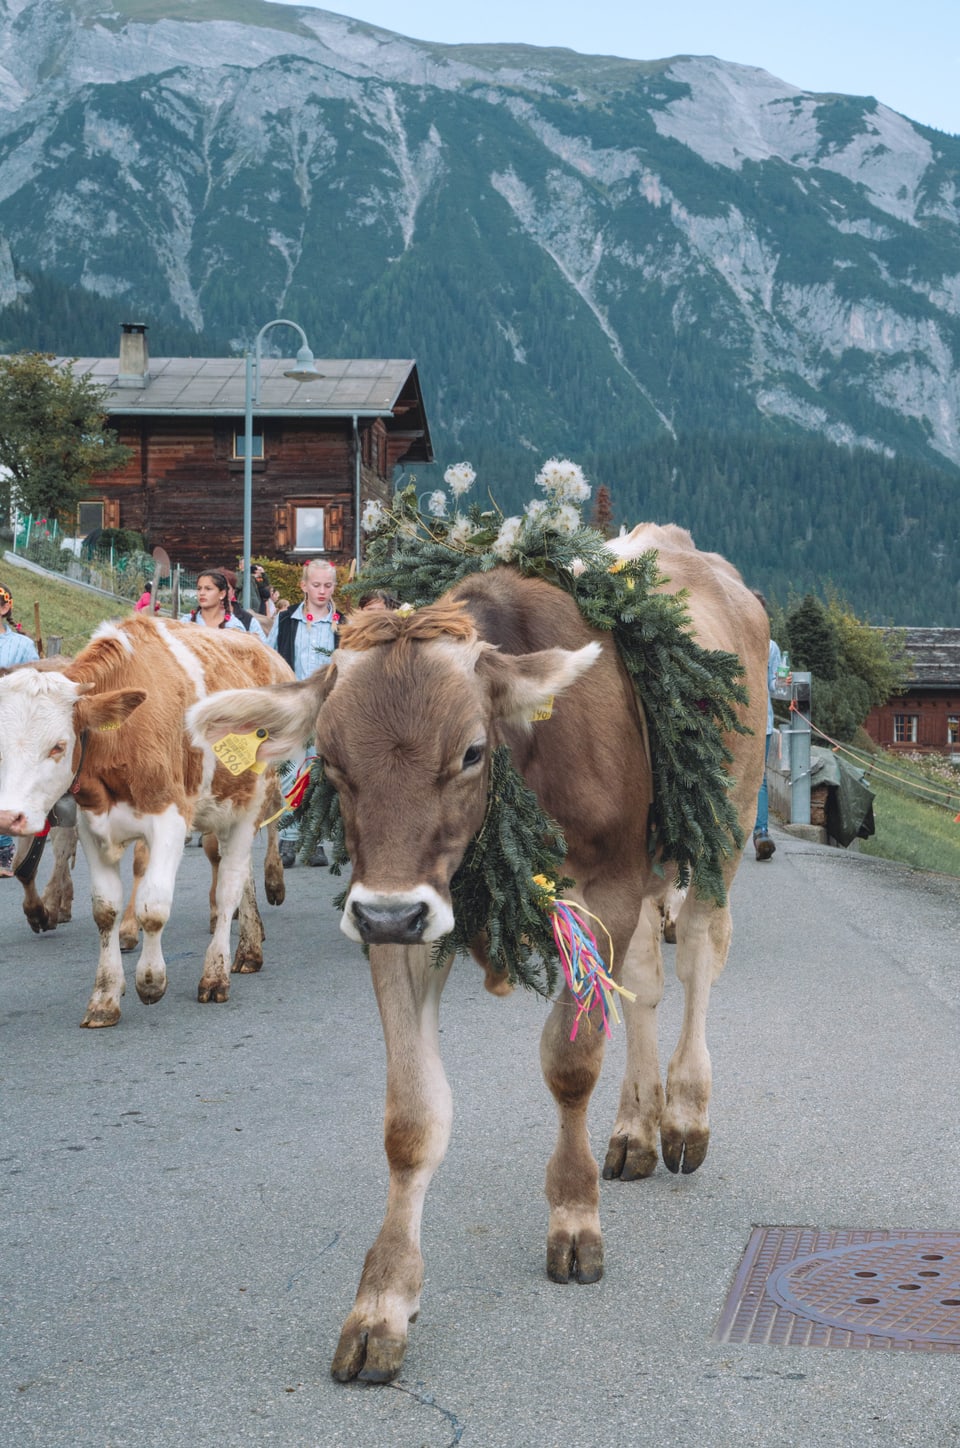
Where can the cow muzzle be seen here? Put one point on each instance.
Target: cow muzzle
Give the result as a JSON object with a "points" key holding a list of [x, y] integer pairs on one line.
{"points": [[413, 917]]}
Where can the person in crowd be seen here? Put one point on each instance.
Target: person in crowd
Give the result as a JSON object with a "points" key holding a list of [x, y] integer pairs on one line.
{"points": [[213, 602], [250, 622], [143, 602], [16, 647], [762, 843], [306, 637], [261, 583], [378, 600]]}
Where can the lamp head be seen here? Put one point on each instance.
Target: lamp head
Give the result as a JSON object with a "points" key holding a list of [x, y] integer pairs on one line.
{"points": [[305, 368]]}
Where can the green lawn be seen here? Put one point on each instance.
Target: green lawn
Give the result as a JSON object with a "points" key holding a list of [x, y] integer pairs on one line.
{"points": [[915, 809], [65, 609]]}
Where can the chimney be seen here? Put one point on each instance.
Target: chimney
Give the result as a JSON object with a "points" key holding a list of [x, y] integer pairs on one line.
{"points": [[134, 360]]}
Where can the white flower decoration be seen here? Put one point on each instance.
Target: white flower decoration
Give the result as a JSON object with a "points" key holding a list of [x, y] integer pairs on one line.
{"points": [[373, 516], [460, 532], [459, 478], [505, 543], [577, 567], [437, 503], [535, 511], [565, 519], [563, 481]]}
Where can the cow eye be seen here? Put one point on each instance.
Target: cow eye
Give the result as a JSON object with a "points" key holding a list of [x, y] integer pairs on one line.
{"points": [[473, 756], [59, 749]]}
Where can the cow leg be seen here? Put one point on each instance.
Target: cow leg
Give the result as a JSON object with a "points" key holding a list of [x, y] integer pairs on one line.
{"points": [[632, 1151], [703, 938], [248, 956], [129, 925], [273, 881], [106, 889], [168, 833], [233, 872], [58, 895], [211, 848], [416, 1132], [570, 1069]]}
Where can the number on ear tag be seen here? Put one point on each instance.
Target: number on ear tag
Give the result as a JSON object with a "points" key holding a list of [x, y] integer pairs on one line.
{"points": [[543, 712], [238, 752]]}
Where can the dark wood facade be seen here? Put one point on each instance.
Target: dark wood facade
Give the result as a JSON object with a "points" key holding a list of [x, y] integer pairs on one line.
{"points": [[925, 719], [315, 447]]}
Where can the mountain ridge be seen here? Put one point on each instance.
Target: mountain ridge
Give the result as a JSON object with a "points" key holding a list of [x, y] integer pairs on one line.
{"points": [[588, 255]]}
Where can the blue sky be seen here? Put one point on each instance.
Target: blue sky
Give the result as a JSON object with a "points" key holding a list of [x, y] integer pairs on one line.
{"points": [[905, 52]]}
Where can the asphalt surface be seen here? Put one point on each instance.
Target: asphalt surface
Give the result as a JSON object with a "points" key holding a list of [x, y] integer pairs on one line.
{"points": [[186, 1199]]}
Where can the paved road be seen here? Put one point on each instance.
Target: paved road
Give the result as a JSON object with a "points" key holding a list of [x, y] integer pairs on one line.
{"points": [[185, 1200]]}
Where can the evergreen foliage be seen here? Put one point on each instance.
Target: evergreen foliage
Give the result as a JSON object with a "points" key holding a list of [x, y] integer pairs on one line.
{"points": [[852, 666], [52, 436]]}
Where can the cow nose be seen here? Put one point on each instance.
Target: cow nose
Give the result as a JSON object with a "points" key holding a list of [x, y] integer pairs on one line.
{"points": [[390, 924]]}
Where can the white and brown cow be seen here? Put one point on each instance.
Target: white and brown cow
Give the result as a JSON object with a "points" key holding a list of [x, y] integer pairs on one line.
{"points": [[405, 719], [108, 729]]}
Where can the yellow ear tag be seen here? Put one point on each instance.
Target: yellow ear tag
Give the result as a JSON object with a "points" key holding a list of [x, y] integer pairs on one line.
{"points": [[543, 712], [238, 752]]}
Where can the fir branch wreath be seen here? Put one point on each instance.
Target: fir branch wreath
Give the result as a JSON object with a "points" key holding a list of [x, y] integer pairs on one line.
{"points": [[690, 696]]}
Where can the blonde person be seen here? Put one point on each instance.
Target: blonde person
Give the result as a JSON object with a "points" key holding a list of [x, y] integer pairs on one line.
{"points": [[16, 647], [305, 636]]}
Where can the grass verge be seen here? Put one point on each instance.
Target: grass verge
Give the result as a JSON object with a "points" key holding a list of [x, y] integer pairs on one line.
{"points": [[915, 810], [65, 609]]}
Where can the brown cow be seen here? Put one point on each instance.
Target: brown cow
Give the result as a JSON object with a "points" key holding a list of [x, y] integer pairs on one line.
{"points": [[68, 732], [405, 719]]}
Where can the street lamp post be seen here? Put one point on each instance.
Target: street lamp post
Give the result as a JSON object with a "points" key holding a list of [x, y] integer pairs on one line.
{"points": [[304, 370]]}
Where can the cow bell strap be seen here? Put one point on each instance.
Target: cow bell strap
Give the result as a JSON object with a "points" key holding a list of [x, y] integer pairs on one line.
{"points": [[76, 774], [28, 866]]}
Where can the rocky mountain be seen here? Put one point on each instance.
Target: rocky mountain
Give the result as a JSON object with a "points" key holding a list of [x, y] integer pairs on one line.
{"points": [[612, 259]]}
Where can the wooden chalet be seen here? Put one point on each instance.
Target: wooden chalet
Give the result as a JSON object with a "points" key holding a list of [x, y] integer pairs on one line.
{"points": [[320, 449], [925, 719]]}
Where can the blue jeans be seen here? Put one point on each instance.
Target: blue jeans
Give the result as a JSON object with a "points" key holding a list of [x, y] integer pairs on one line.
{"points": [[763, 807]]}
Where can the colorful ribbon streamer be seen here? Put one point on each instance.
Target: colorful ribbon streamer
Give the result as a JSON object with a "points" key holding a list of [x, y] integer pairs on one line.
{"points": [[587, 977]]}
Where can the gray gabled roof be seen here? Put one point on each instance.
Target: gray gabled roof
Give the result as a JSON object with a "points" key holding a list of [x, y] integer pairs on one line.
{"points": [[216, 386], [935, 655]]}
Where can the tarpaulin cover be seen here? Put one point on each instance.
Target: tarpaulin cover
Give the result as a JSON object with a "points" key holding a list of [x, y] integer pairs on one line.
{"points": [[849, 807]]}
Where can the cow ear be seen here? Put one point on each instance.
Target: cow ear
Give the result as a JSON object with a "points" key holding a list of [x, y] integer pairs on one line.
{"points": [[288, 713], [523, 685], [107, 711]]}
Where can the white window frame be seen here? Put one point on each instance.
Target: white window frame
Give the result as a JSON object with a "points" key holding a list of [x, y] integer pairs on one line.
{"points": [[312, 538]]}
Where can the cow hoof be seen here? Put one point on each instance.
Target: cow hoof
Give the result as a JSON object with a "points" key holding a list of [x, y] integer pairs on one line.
{"points": [[40, 920], [150, 990], [579, 1258], [129, 943], [368, 1356], [246, 967], [276, 894], [684, 1153], [628, 1160], [215, 992], [101, 1016]]}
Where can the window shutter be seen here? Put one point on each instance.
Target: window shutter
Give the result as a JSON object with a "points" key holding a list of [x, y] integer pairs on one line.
{"points": [[333, 527], [281, 524]]}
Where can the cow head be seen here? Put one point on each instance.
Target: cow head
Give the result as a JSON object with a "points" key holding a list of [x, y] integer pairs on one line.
{"points": [[43, 719], [405, 719]]}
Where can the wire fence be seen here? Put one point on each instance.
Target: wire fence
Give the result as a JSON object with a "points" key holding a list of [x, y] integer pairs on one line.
{"points": [[123, 574]]}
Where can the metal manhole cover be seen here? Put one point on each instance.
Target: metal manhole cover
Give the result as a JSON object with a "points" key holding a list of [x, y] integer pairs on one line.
{"points": [[800, 1286]]}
